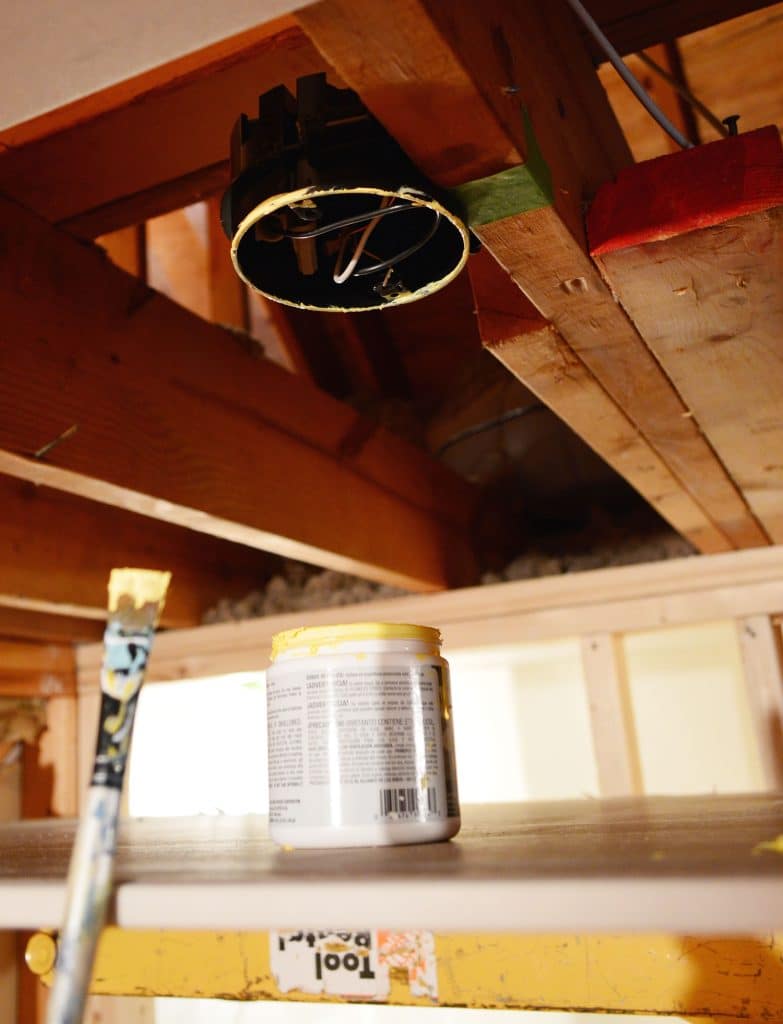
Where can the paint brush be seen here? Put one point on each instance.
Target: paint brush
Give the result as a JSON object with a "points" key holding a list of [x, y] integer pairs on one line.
{"points": [[136, 598]]}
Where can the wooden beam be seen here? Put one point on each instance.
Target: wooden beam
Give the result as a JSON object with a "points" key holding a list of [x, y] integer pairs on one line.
{"points": [[761, 647], [179, 420], [21, 624], [454, 83], [611, 715], [127, 249], [528, 346], [646, 137], [637, 597], [57, 550], [520, 85], [738, 58], [36, 670], [698, 264], [179, 259], [604, 339], [227, 291], [633, 25], [162, 149]]}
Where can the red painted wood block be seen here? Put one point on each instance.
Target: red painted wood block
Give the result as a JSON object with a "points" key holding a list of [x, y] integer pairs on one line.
{"points": [[694, 188]]}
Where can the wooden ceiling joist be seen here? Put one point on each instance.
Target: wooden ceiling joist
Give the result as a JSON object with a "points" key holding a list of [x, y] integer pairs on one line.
{"points": [[56, 553], [36, 670], [177, 419], [163, 149], [634, 25], [474, 89], [692, 245], [23, 624], [530, 347]]}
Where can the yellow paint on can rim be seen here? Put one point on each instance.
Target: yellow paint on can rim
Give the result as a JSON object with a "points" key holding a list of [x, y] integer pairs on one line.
{"points": [[311, 640]]}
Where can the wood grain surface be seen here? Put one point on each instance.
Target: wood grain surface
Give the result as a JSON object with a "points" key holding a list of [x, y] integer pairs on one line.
{"points": [[670, 863]]}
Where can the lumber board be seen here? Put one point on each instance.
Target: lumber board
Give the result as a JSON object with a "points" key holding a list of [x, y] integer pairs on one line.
{"points": [[680, 864], [636, 597], [739, 58], [701, 274], [158, 151], [179, 259], [633, 25], [180, 420], [50, 627], [227, 291], [611, 715], [36, 670], [454, 83], [57, 550], [521, 87], [608, 343], [738, 978], [527, 345], [688, 190], [127, 249], [761, 646]]}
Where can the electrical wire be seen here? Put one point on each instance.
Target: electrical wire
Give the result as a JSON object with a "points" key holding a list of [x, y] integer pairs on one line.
{"points": [[627, 75], [394, 260], [497, 421], [685, 92], [341, 276], [347, 222]]}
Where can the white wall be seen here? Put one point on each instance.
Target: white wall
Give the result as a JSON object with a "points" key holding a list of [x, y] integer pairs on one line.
{"points": [[57, 52]]}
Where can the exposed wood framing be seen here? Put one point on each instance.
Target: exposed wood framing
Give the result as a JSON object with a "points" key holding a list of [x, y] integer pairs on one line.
{"points": [[733, 68], [611, 715], [57, 550], [10, 809], [698, 265], [26, 624], [127, 249], [519, 337], [36, 670], [636, 24], [676, 592], [646, 137], [455, 84], [227, 291], [762, 660], [164, 148], [199, 430], [179, 259], [703, 979]]}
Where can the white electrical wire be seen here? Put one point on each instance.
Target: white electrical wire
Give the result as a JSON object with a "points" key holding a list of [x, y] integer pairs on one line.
{"points": [[341, 276], [627, 76]]}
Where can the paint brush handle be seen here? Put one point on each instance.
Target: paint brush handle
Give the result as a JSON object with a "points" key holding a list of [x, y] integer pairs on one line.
{"points": [[136, 598], [89, 890]]}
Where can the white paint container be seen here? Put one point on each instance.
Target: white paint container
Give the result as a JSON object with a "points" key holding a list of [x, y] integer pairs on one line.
{"points": [[361, 745]]}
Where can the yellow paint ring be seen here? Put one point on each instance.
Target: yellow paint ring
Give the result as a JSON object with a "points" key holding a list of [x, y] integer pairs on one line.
{"points": [[311, 639], [273, 203]]}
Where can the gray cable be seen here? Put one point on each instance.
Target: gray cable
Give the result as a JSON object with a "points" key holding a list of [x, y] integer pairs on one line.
{"points": [[687, 95], [627, 76]]}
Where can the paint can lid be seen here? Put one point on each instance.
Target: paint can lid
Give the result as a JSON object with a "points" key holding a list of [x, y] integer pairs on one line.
{"points": [[314, 640]]}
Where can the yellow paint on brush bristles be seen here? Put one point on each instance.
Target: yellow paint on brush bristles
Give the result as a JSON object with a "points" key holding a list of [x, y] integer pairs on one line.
{"points": [[137, 587]]}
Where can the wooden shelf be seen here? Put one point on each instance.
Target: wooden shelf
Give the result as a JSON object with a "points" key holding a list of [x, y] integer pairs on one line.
{"points": [[686, 865]]}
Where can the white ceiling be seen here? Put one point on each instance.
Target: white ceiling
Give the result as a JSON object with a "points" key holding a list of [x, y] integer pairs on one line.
{"points": [[54, 52]]}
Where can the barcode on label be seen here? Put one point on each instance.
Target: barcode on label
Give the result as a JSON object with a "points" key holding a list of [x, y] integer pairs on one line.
{"points": [[406, 801]]}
